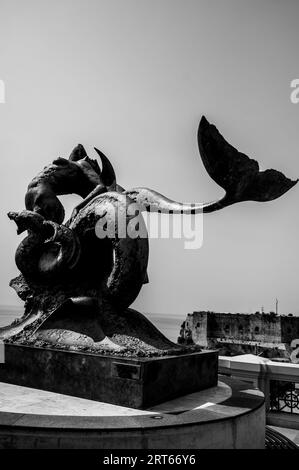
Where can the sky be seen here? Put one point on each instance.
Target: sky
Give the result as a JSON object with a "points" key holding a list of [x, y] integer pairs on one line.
{"points": [[133, 78]]}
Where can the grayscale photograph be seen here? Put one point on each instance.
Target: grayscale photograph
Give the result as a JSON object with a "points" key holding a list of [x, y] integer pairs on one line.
{"points": [[149, 296]]}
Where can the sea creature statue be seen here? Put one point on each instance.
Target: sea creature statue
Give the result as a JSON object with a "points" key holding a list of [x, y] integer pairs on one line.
{"points": [[78, 287]]}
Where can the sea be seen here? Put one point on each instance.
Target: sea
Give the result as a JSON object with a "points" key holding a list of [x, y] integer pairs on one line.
{"points": [[9, 314], [168, 324]]}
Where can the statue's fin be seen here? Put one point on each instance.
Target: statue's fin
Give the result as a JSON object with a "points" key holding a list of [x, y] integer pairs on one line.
{"points": [[78, 153], [235, 172]]}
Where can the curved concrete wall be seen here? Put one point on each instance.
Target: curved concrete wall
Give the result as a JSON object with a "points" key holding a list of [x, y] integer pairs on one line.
{"points": [[236, 422], [244, 432]]}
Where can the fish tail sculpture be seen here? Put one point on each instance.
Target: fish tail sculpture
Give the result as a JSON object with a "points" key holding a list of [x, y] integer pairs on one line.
{"points": [[234, 171]]}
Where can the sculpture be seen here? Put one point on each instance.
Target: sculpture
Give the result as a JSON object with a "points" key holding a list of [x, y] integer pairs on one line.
{"points": [[78, 288]]}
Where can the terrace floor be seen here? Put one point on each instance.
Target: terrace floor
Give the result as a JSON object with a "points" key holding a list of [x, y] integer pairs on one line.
{"points": [[292, 434]]}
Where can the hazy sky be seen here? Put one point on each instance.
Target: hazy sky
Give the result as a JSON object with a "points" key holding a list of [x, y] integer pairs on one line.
{"points": [[133, 77]]}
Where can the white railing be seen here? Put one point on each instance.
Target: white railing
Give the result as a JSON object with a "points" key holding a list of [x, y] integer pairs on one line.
{"points": [[279, 381]]}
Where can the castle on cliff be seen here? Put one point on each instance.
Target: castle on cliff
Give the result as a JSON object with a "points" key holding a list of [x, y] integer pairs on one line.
{"points": [[266, 334]]}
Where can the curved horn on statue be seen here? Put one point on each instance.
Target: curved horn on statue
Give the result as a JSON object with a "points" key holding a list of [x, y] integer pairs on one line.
{"points": [[108, 173]]}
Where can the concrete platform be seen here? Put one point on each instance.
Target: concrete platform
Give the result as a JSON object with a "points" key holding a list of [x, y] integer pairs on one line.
{"points": [[223, 417]]}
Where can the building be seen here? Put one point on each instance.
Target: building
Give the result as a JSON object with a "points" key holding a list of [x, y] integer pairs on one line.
{"points": [[265, 334]]}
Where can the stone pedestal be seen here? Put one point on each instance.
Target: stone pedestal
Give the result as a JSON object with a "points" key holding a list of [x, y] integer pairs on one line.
{"points": [[127, 381]]}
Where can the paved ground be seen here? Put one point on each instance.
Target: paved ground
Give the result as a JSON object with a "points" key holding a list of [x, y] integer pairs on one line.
{"points": [[18, 399], [292, 434]]}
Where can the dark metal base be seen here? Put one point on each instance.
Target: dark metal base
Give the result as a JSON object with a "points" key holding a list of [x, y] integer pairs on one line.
{"points": [[133, 382]]}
